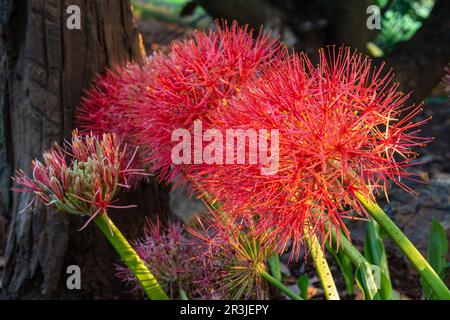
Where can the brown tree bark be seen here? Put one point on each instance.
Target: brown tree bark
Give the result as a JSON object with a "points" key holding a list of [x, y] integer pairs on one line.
{"points": [[44, 68]]}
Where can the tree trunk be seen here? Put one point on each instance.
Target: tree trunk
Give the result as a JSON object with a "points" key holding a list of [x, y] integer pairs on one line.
{"points": [[44, 69]]}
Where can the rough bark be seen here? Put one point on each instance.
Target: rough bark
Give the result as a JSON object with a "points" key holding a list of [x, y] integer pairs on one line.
{"points": [[44, 69], [2, 232], [419, 62]]}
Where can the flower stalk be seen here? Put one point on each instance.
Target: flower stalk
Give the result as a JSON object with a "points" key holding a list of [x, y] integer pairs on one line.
{"points": [[323, 270], [347, 248], [129, 256], [279, 285], [84, 179], [419, 262]]}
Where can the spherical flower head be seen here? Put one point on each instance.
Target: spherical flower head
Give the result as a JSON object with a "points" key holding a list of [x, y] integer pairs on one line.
{"points": [[197, 77], [167, 252], [109, 101], [343, 129], [231, 260], [82, 179]]}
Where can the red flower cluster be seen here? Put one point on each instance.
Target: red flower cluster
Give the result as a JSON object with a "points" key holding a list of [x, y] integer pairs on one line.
{"points": [[108, 105], [198, 77], [172, 90], [87, 184], [342, 130], [342, 126], [112, 96]]}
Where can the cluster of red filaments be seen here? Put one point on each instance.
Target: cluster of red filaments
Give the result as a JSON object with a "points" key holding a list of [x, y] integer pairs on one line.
{"points": [[197, 77], [342, 125], [342, 130]]}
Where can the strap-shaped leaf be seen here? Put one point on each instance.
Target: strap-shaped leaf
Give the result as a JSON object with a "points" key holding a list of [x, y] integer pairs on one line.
{"points": [[345, 264], [303, 284], [368, 280], [375, 253], [436, 255], [275, 267]]}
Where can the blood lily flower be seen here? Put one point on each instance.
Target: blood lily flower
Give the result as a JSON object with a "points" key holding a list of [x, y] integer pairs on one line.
{"points": [[197, 77], [82, 179], [343, 130], [219, 259], [106, 106]]}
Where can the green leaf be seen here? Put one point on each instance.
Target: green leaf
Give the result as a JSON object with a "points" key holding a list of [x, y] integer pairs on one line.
{"points": [[436, 255], [183, 295], [444, 273], [373, 245], [385, 290], [345, 264], [367, 250], [427, 292], [375, 253], [275, 267], [437, 246], [366, 280], [303, 284]]}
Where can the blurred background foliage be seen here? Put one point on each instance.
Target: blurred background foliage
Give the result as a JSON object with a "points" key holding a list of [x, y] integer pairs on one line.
{"points": [[414, 39], [400, 19], [183, 12]]}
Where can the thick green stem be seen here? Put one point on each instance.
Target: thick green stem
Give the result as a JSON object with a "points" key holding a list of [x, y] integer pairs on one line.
{"points": [[348, 249], [183, 295], [279, 285], [419, 262], [323, 270], [131, 258]]}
